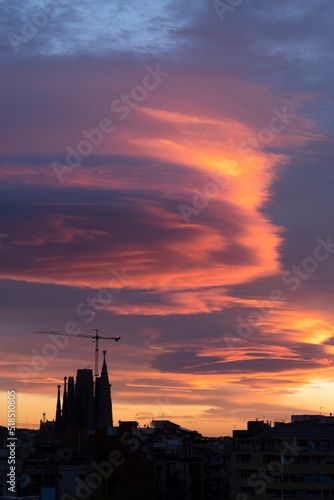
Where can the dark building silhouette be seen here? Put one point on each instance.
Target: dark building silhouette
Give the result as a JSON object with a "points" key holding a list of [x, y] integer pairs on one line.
{"points": [[294, 460], [85, 403], [58, 422], [84, 399], [164, 461], [65, 412], [70, 399], [103, 406], [82, 455]]}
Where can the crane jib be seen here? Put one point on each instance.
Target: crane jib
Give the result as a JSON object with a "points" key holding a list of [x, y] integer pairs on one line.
{"points": [[95, 339]]}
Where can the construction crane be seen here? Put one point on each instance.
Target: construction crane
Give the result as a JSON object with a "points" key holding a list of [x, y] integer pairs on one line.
{"points": [[95, 338]]}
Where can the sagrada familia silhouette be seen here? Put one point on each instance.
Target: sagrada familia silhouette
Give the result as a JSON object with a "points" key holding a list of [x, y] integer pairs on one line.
{"points": [[85, 404]]}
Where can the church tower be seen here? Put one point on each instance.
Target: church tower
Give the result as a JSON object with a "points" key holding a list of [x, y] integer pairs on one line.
{"points": [[84, 399], [71, 401], [103, 406], [64, 413], [58, 414]]}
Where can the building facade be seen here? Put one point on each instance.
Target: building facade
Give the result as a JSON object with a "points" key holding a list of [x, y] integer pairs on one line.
{"points": [[294, 460]]}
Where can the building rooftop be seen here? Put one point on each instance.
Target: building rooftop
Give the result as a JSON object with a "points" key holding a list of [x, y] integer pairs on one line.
{"points": [[318, 427]]}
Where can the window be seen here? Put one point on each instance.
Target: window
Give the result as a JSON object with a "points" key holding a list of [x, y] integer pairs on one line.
{"points": [[244, 459]]}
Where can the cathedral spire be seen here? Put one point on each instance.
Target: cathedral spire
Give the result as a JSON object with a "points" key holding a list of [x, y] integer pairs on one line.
{"points": [[65, 392], [58, 415], [104, 370], [103, 403], [58, 410], [65, 414]]}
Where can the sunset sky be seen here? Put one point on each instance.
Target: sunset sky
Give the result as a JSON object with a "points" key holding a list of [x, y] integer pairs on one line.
{"points": [[167, 176]]}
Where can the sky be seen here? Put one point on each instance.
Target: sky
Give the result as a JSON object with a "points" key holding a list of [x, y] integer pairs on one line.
{"points": [[166, 176]]}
